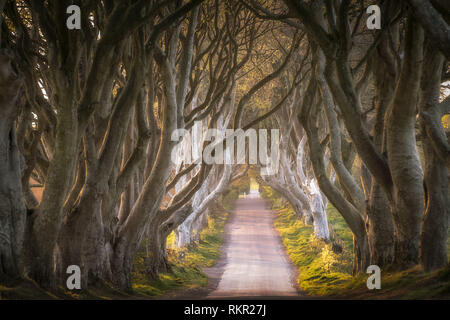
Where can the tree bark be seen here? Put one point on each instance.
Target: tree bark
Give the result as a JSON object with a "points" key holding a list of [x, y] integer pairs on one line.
{"points": [[432, 21], [44, 224], [131, 231], [380, 225], [380, 228], [408, 205], [157, 260], [12, 206], [433, 249], [353, 218]]}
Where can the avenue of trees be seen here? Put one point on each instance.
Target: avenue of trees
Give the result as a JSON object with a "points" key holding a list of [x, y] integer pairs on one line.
{"points": [[87, 116]]}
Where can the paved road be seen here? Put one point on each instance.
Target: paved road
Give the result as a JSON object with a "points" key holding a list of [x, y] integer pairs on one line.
{"points": [[254, 262]]}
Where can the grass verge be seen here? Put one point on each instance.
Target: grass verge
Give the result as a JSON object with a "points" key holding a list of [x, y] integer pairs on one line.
{"points": [[187, 263], [322, 272], [186, 272]]}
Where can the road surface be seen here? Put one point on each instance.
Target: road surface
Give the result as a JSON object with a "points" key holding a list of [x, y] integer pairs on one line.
{"points": [[254, 262]]}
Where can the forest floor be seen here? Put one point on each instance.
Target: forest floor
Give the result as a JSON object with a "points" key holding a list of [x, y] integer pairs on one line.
{"points": [[185, 278], [322, 273]]}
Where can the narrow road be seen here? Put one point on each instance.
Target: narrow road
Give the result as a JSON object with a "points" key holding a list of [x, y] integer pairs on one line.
{"points": [[254, 262]]}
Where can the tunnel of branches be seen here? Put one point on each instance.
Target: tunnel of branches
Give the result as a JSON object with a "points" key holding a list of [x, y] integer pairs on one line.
{"points": [[87, 118]]}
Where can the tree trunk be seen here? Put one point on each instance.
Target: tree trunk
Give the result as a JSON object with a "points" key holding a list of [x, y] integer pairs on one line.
{"points": [[45, 223], [320, 222], [380, 228], [434, 233], [157, 261], [12, 206], [379, 224], [351, 215], [361, 256], [407, 205], [95, 256], [184, 232], [433, 250]]}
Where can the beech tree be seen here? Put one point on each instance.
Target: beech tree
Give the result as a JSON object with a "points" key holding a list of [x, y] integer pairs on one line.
{"points": [[88, 116], [74, 80], [12, 206], [332, 28]]}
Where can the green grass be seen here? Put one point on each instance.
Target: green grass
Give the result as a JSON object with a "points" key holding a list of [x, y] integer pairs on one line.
{"points": [[409, 284], [186, 272], [340, 228], [26, 289], [321, 272]]}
